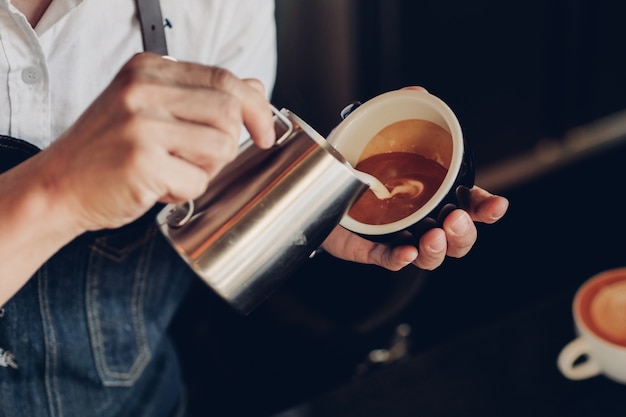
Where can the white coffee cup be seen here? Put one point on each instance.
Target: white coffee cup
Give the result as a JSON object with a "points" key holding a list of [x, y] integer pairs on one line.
{"points": [[362, 134], [599, 311]]}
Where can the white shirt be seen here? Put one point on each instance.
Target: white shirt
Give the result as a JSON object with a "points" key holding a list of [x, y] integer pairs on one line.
{"points": [[50, 74]]}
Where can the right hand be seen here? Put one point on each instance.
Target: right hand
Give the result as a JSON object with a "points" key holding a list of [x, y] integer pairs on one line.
{"points": [[158, 133]]}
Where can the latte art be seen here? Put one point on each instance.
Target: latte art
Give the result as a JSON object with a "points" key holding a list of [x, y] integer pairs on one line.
{"points": [[410, 187], [608, 312], [411, 179], [599, 310]]}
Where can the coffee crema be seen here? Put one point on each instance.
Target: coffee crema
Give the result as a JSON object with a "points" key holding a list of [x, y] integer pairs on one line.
{"points": [[411, 178], [608, 312], [603, 309]]}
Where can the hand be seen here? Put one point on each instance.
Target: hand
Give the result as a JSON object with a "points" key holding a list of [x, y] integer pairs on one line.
{"points": [[158, 133], [455, 238]]}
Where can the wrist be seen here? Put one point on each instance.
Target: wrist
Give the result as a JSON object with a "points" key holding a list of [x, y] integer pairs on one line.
{"points": [[35, 206], [34, 225]]}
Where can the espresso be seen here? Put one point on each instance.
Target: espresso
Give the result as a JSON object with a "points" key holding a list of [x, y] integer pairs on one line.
{"points": [[412, 180], [603, 308]]}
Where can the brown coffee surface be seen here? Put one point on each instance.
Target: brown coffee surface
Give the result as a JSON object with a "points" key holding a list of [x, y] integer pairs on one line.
{"points": [[415, 180], [608, 312]]}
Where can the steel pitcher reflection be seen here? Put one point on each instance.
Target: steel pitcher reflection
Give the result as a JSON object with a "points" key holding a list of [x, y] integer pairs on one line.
{"points": [[264, 214]]}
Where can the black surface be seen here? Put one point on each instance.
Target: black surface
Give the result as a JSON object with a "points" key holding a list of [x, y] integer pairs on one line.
{"points": [[503, 368], [486, 328]]}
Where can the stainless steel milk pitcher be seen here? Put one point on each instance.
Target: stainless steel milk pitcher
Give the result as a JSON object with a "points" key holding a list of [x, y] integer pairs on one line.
{"points": [[264, 214]]}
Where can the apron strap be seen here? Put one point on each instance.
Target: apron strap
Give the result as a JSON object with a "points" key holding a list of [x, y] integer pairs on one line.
{"points": [[152, 26], [14, 151]]}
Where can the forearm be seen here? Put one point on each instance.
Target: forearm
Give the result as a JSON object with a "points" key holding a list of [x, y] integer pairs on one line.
{"points": [[33, 225]]}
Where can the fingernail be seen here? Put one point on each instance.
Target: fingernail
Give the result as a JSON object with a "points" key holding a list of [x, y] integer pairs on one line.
{"points": [[439, 245], [500, 213], [460, 225], [268, 139]]}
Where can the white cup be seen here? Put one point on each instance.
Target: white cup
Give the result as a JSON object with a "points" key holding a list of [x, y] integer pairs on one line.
{"points": [[358, 137], [599, 311]]}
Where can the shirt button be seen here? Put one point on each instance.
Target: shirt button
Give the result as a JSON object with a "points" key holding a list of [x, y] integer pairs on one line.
{"points": [[31, 75]]}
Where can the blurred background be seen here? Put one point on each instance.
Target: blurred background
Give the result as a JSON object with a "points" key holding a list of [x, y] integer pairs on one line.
{"points": [[540, 90], [516, 75]]}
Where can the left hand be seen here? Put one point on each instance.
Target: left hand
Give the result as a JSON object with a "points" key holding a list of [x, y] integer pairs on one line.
{"points": [[455, 238]]}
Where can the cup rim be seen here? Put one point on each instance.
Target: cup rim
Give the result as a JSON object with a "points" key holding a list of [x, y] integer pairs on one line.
{"points": [[453, 127], [315, 136]]}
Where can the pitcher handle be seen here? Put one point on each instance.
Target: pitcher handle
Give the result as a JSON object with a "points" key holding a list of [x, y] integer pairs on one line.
{"points": [[284, 120], [179, 215]]}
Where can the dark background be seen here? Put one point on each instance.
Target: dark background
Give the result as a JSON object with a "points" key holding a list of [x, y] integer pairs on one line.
{"points": [[540, 90], [515, 74]]}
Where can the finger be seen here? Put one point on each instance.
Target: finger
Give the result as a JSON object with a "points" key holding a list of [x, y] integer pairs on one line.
{"points": [[256, 84], [346, 245], [178, 181], [191, 105], [207, 148], [432, 249], [460, 232], [415, 87], [398, 257], [255, 109], [486, 207]]}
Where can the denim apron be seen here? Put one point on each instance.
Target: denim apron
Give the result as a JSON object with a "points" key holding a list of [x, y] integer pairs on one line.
{"points": [[87, 335]]}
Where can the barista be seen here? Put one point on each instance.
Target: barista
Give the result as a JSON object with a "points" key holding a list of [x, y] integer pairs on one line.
{"points": [[100, 134]]}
